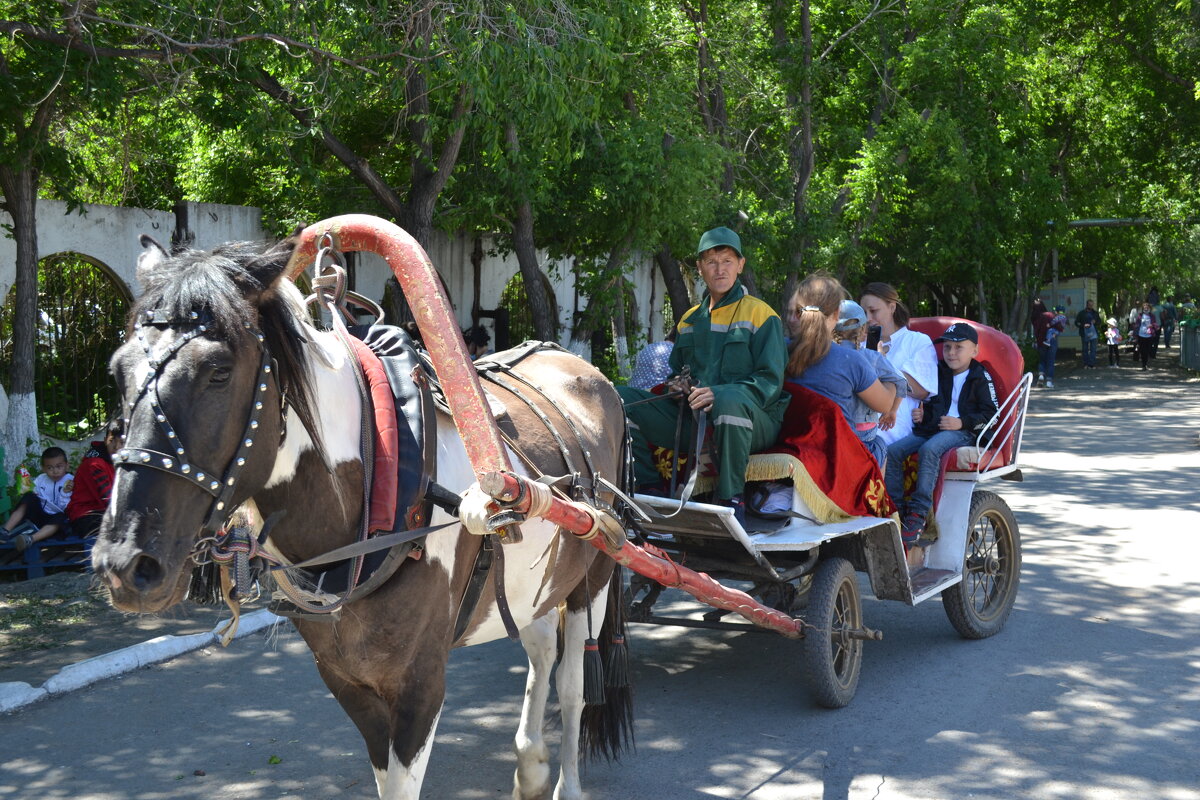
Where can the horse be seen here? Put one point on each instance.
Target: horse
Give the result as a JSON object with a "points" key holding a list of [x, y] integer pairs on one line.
{"points": [[234, 400]]}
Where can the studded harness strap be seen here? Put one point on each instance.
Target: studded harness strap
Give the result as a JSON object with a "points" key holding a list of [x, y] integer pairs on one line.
{"points": [[178, 463]]}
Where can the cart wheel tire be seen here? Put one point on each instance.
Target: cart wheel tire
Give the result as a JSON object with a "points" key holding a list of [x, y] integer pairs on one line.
{"points": [[832, 660], [979, 604]]}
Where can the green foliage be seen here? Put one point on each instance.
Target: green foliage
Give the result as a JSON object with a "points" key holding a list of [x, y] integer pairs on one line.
{"points": [[946, 137]]}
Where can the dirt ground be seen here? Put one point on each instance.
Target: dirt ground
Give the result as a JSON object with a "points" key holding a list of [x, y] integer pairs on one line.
{"points": [[49, 623]]}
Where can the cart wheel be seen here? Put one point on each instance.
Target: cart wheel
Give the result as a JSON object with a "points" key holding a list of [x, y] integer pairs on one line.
{"points": [[979, 604], [833, 660]]}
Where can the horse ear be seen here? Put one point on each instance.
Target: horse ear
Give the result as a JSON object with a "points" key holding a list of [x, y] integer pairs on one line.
{"points": [[153, 254]]}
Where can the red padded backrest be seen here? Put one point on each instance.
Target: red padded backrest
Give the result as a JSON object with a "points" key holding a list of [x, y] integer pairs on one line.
{"points": [[998, 353]]}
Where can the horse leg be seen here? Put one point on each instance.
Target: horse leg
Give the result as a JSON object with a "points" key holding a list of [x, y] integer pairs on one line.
{"points": [[569, 682], [531, 781], [398, 743], [369, 714]]}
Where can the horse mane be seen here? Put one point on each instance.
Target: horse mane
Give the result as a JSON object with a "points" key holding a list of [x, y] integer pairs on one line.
{"points": [[238, 286]]}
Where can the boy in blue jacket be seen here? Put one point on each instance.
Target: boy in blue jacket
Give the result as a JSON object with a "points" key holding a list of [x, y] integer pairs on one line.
{"points": [[965, 402]]}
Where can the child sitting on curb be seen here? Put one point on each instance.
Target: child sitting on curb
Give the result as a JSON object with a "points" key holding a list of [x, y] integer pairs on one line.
{"points": [[851, 331], [965, 402]]}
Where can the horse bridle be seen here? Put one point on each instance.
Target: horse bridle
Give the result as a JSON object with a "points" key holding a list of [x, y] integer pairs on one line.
{"points": [[178, 463]]}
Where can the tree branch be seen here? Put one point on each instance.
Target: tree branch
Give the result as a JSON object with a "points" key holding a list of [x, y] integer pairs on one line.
{"points": [[357, 165]]}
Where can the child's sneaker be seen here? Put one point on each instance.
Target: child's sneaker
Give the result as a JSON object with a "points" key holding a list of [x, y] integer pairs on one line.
{"points": [[1049, 384], [24, 527], [912, 525]]}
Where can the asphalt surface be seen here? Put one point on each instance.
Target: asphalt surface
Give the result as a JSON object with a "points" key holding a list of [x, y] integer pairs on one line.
{"points": [[1091, 691]]}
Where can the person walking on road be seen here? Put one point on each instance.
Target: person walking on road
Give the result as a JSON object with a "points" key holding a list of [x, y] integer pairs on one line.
{"points": [[1112, 337], [1040, 320], [1087, 322], [1168, 319], [1146, 331]]}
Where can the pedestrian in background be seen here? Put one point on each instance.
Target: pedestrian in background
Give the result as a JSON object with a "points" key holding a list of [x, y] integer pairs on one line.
{"points": [[1146, 329], [1113, 338], [1168, 319], [1087, 322], [1040, 319]]}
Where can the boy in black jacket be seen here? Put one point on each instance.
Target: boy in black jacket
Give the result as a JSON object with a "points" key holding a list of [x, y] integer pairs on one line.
{"points": [[965, 401]]}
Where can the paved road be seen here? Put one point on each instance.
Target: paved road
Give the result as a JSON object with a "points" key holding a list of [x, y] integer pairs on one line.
{"points": [[1092, 691]]}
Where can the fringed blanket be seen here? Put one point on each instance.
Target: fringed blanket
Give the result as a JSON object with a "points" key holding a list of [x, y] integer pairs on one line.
{"points": [[835, 462]]}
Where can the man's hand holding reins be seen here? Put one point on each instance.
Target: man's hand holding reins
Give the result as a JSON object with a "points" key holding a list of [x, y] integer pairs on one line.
{"points": [[701, 398]]}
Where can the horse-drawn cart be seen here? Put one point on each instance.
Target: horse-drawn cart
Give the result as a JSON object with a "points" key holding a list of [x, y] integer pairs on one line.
{"points": [[807, 565], [803, 575], [381, 622]]}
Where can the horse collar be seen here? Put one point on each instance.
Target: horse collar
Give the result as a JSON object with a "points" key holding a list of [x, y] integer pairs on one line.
{"points": [[178, 463]]}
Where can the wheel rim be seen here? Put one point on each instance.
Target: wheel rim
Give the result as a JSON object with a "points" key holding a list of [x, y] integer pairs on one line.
{"points": [[989, 568], [847, 616]]}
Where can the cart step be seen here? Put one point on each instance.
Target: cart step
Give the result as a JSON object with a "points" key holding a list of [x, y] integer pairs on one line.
{"points": [[926, 582]]}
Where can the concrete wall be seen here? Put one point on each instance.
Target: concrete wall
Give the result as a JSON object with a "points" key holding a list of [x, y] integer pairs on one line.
{"points": [[108, 235]]}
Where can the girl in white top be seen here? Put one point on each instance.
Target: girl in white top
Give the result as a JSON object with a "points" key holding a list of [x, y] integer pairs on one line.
{"points": [[909, 351]]}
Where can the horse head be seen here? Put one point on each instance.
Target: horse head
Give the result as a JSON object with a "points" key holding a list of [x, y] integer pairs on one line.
{"points": [[212, 361]]}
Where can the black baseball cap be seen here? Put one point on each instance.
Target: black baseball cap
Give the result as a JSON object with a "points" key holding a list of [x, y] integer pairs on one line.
{"points": [[959, 332]]}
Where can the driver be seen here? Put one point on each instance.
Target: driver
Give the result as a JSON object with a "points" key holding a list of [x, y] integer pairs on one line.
{"points": [[733, 345]]}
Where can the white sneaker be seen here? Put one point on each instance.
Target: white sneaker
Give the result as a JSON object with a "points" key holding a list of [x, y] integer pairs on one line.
{"points": [[1049, 384], [1039, 379]]}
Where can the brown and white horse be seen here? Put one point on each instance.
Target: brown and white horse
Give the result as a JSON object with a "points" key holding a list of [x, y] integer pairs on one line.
{"points": [[233, 397]]}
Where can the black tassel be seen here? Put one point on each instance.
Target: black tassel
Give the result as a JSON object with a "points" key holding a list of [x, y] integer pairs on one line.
{"points": [[593, 674], [616, 669], [205, 587]]}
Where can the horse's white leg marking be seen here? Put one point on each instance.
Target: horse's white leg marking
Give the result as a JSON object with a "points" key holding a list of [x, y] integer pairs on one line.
{"points": [[532, 776], [401, 782], [337, 409], [569, 682]]}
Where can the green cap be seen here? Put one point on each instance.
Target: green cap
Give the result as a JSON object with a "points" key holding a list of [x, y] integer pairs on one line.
{"points": [[720, 237]]}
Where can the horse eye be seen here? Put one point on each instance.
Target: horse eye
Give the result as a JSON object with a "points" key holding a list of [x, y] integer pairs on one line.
{"points": [[220, 375]]}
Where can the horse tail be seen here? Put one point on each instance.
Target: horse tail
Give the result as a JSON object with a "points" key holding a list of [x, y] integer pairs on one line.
{"points": [[607, 728]]}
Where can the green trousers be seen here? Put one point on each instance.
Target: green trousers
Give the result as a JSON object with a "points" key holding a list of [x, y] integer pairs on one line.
{"points": [[740, 427]]}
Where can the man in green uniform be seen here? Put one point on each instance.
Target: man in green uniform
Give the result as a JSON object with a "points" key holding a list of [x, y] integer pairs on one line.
{"points": [[733, 344]]}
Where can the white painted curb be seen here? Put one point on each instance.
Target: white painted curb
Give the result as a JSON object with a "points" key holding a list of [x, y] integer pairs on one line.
{"points": [[16, 695]]}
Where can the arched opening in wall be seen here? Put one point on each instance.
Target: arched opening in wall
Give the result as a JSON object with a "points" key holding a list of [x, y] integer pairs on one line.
{"points": [[82, 307], [515, 300]]}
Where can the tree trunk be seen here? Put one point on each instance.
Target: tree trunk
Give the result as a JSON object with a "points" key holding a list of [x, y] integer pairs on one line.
{"points": [[19, 185], [620, 326], [544, 323], [710, 90], [801, 153], [677, 286]]}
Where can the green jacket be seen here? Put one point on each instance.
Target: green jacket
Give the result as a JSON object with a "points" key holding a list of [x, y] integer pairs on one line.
{"points": [[738, 346]]}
